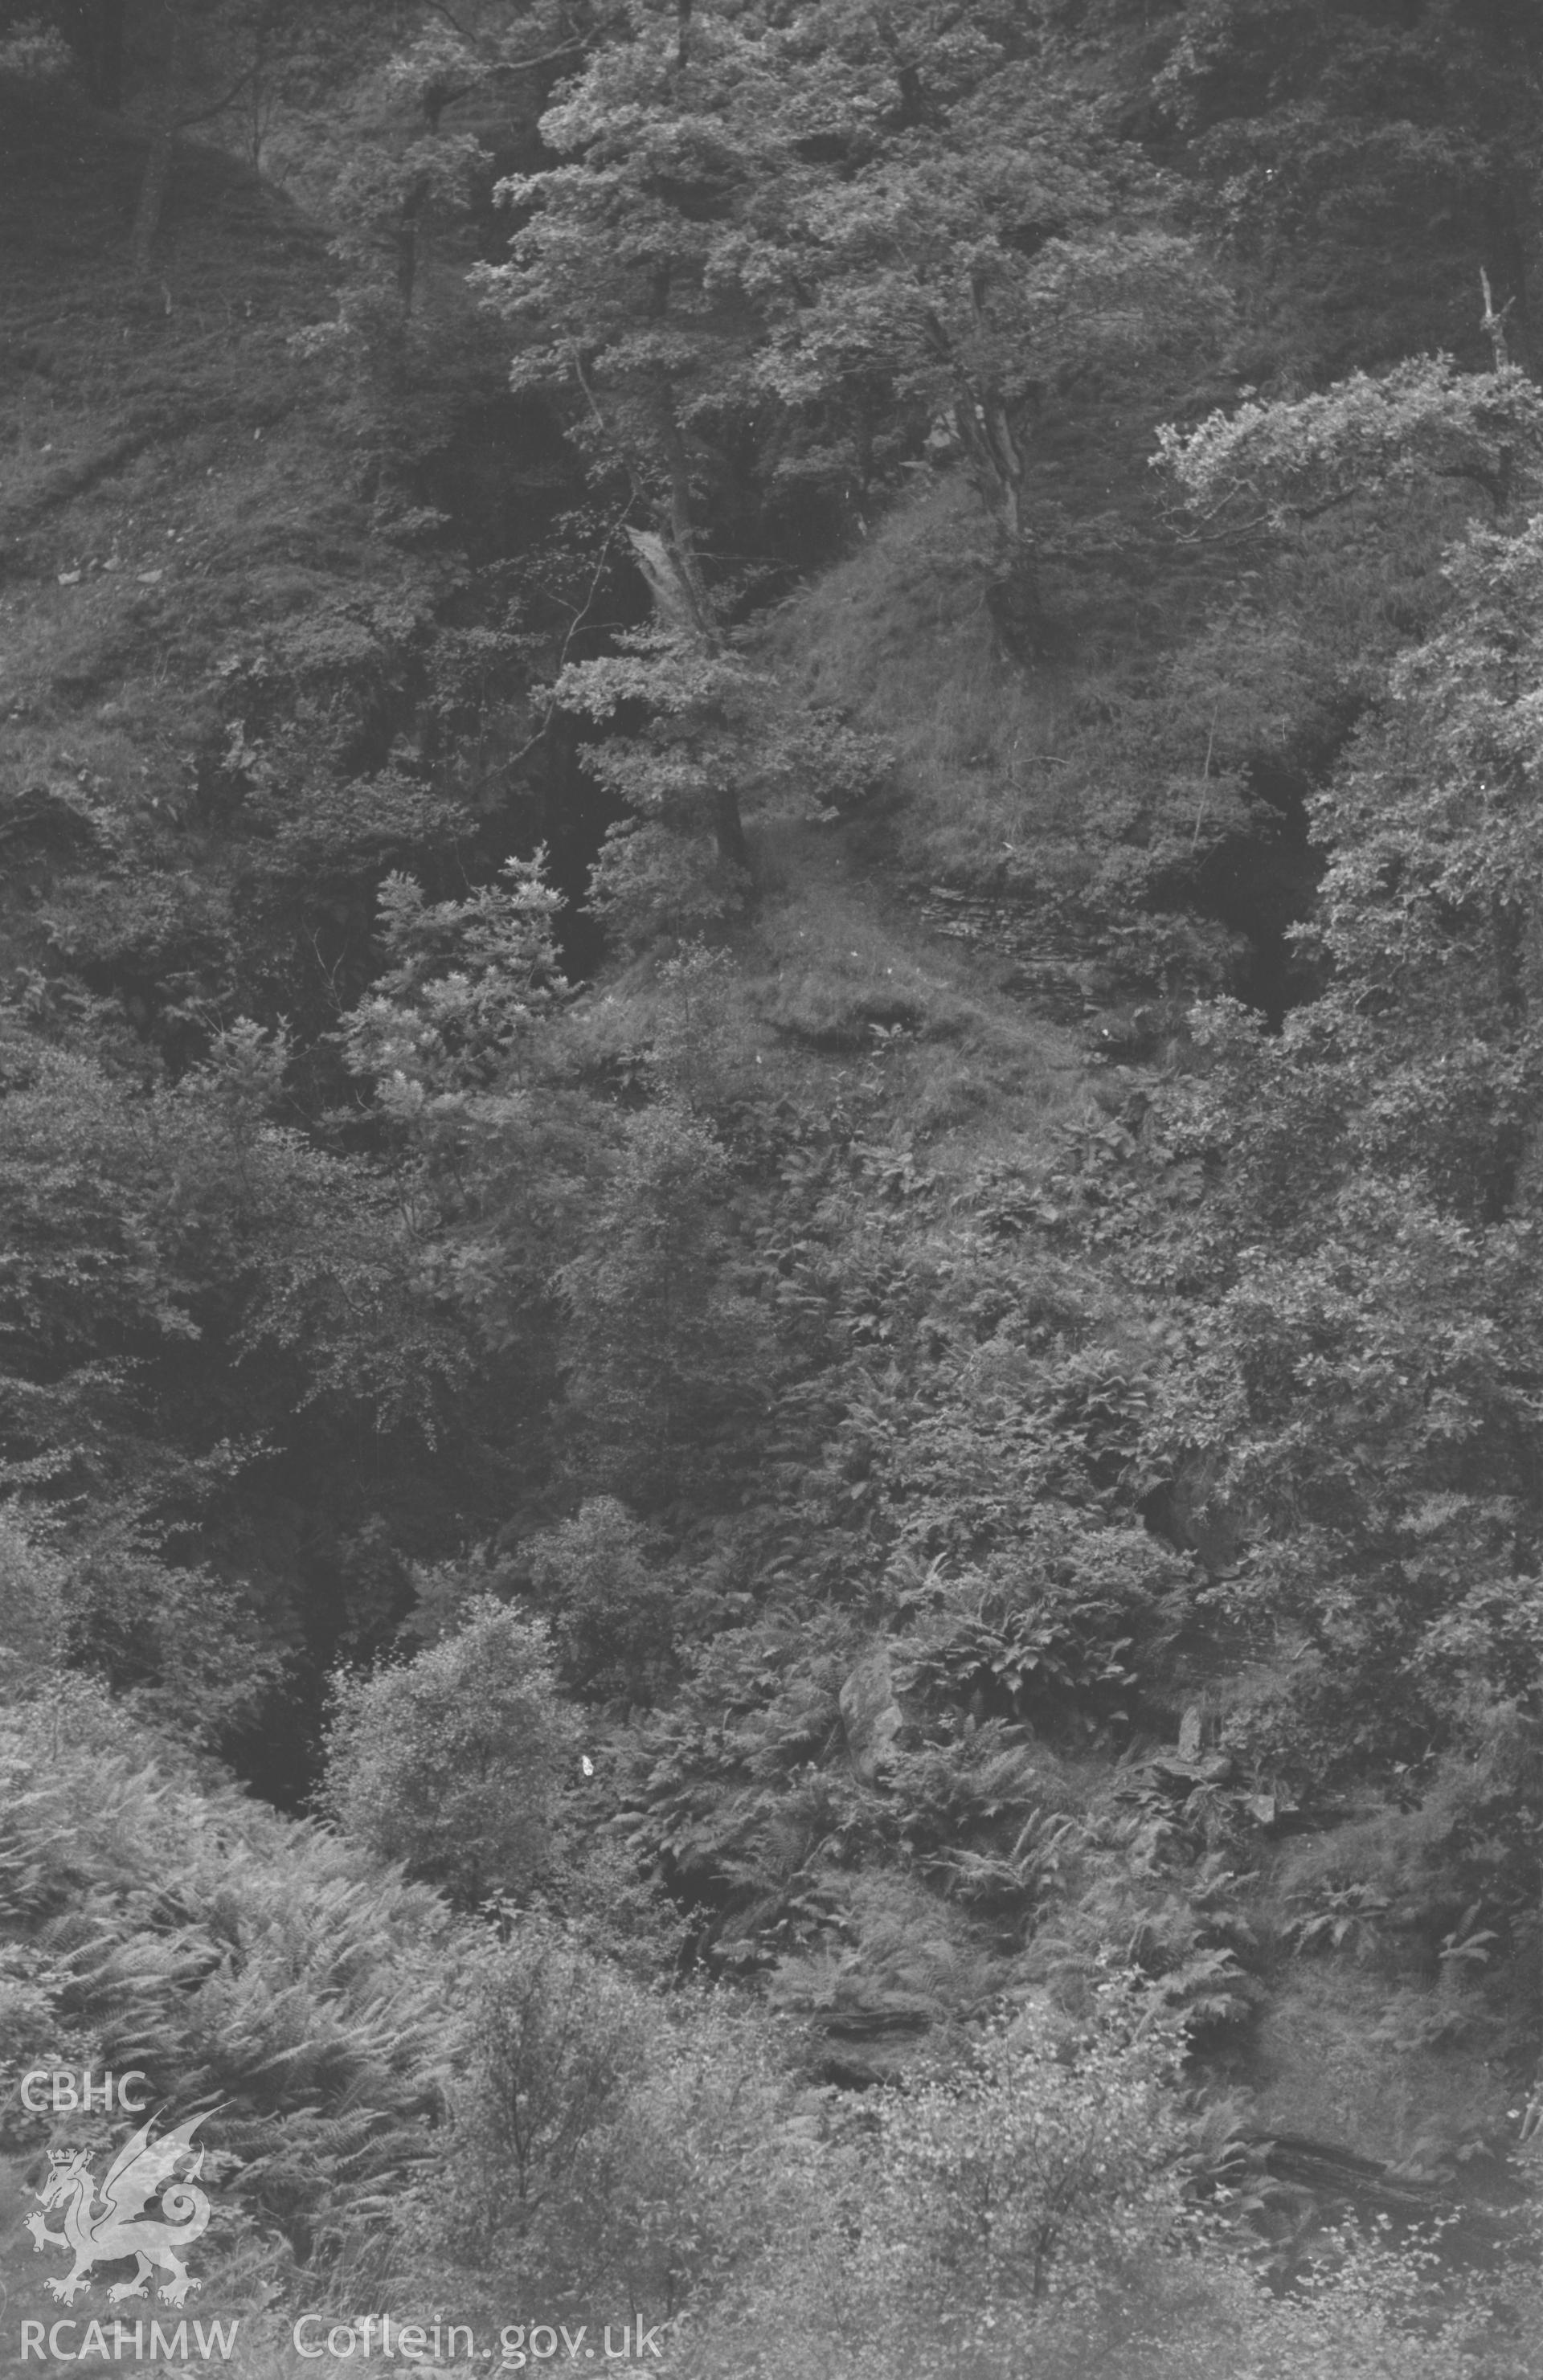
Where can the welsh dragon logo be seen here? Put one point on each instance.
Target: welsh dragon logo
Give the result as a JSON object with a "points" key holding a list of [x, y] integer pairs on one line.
{"points": [[101, 2226]]}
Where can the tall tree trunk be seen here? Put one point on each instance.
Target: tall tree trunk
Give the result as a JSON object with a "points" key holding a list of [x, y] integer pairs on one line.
{"points": [[682, 532], [405, 243], [728, 828], [674, 593], [678, 604], [158, 159], [669, 564], [405, 240], [995, 458], [258, 115]]}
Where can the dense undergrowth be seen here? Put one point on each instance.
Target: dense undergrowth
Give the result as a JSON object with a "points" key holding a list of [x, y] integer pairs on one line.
{"points": [[461, 2119], [769, 1175]]}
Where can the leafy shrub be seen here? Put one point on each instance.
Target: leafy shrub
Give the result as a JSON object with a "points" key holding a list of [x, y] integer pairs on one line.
{"points": [[604, 2147], [1019, 1879], [1008, 2213], [612, 1618], [465, 981], [1177, 1922], [452, 1761], [554, 2042], [676, 861], [667, 1358], [33, 1588], [1445, 1873], [1026, 1662], [1338, 1917], [712, 1774], [894, 1957], [837, 769], [961, 1784], [186, 1276], [33, 53], [1056, 1624], [1044, 2205]]}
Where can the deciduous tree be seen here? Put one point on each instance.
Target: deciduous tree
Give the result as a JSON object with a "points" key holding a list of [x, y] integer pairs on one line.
{"points": [[823, 214]]}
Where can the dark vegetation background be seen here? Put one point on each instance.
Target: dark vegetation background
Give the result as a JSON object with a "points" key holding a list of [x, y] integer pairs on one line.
{"points": [[769, 1296]]}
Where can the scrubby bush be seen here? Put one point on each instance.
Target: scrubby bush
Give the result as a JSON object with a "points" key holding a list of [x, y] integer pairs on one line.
{"points": [[34, 1584], [609, 1603], [452, 1761], [1043, 2207], [607, 2150], [666, 1358]]}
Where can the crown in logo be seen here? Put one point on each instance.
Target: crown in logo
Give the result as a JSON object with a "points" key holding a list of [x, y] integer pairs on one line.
{"points": [[105, 2221]]}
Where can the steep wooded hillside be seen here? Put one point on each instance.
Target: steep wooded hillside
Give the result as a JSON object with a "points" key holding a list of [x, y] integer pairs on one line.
{"points": [[768, 1073]]}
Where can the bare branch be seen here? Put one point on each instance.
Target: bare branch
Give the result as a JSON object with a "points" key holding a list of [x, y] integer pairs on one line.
{"points": [[202, 115], [475, 42]]}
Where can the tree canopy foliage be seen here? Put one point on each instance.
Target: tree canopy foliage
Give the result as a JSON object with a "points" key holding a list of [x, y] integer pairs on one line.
{"points": [[834, 219], [1356, 142]]}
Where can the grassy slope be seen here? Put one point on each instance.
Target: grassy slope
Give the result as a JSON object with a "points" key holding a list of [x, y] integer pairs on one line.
{"points": [[995, 758]]}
